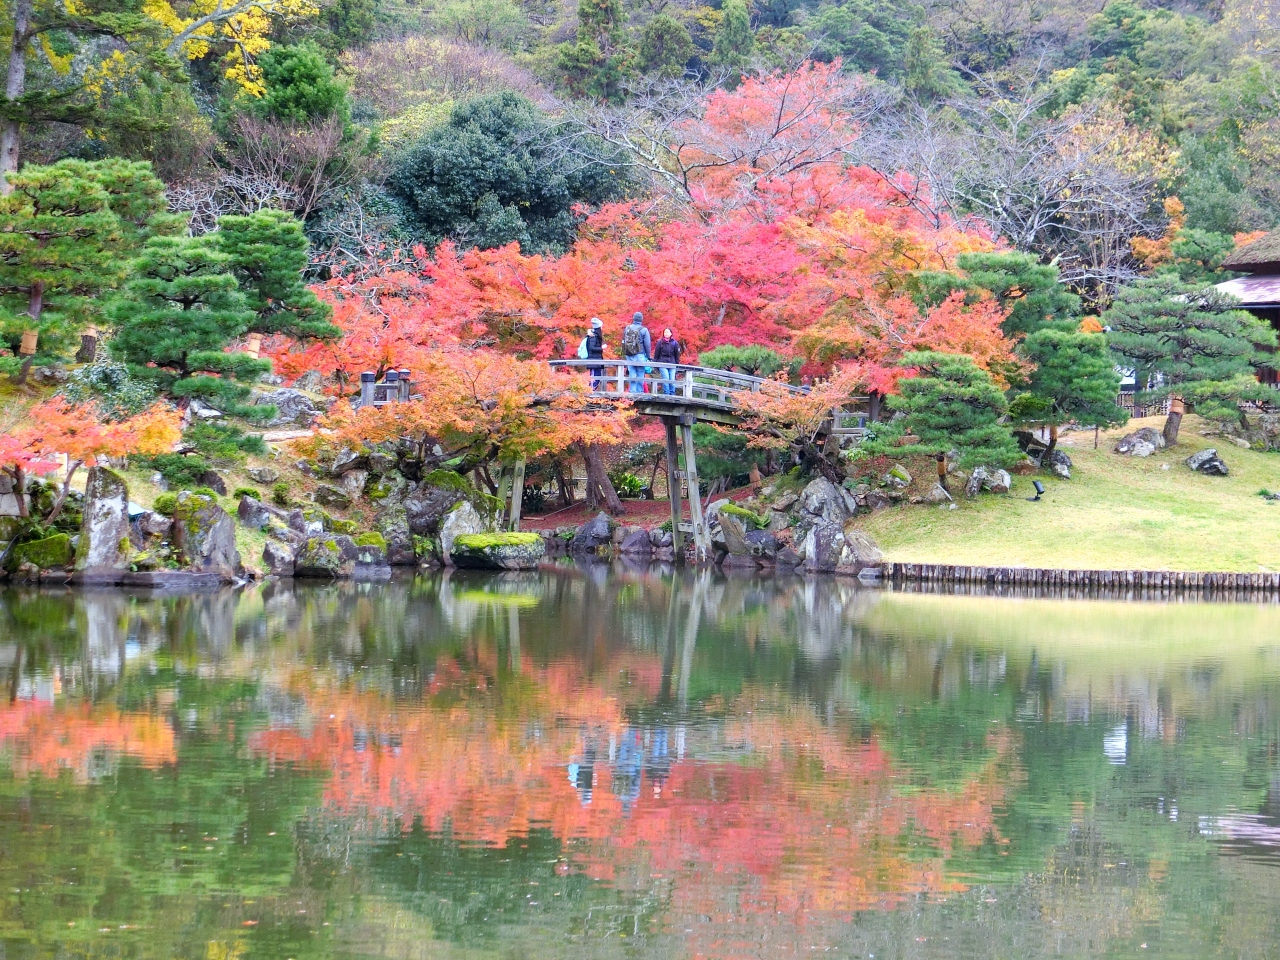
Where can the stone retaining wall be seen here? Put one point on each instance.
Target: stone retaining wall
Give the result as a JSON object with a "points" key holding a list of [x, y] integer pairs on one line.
{"points": [[1110, 580]]}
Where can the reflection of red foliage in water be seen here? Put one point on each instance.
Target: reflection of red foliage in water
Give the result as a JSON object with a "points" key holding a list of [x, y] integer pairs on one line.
{"points": [[788, 812], [48, 739]]}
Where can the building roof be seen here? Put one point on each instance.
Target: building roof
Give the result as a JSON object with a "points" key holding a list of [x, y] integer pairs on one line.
{"points": [[1254, 291], [1263, 255]]}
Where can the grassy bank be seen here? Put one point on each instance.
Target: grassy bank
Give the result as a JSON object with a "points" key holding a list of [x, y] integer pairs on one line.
{"points": [[1115, 513]]}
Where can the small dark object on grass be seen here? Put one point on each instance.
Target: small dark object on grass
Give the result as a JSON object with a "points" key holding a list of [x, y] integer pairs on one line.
{"points": [[1039, 491]]}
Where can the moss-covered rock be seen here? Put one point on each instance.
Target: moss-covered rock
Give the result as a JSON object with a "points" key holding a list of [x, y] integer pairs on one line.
{"points": [[51, 553], [103, 551], [327, 555], [745, 515], [204, 536], [371, 540], [498, 551]]}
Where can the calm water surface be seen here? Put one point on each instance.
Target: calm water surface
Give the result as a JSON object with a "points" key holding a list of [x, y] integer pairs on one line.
{"points": [[599, 763]]}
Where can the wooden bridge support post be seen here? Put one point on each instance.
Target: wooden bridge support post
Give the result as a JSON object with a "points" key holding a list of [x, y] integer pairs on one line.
{"points": [[673, 489], [504, 488], [701, 536], [517, 494]]}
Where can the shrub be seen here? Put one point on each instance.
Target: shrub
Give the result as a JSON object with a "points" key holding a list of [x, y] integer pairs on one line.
{"points": [[241, 492], [179, 470], [628, 485], [280, 494], [223, 443], [209, 492], [165, 504], [108, 385]]}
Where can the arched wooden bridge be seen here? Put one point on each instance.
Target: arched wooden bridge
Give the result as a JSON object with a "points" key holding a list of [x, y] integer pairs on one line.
{"points": [[682, 395]]}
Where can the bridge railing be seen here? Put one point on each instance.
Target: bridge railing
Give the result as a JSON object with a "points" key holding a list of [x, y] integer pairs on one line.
{"points": [[677, 380]]}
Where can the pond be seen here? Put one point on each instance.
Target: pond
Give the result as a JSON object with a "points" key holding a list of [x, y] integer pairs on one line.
{"points": [[596, 762]]}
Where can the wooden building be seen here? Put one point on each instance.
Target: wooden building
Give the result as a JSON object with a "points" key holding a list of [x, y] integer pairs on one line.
{"points": [[1259, 289]]}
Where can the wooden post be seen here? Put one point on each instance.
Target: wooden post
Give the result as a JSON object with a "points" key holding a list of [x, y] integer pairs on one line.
{"points": [[88, 345], [701, 538], [622, 379], [688, 384], [367, 380], [504, 484], [253, 345], [517, 494], [673, 489]]}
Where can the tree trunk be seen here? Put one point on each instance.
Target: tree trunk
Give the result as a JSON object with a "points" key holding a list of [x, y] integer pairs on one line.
{"points": [[873, 400], [35, 307], [20, 489], [819, 462], [1046, 461], [1173, 422], [62, 494], [565, 489], [15, 86], [600, 492]]}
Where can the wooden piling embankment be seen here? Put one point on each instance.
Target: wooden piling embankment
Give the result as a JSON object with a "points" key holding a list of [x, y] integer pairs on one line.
{"points": [[1085, 583]]}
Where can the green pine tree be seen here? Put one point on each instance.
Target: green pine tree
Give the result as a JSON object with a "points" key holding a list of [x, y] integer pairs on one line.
{"points": [[951, 404], [734, 39], [300, 86], [268, 252], [69, 230], [179, 310], [1029, 289], [1191, 342], [665, 46], [1075, 380]]}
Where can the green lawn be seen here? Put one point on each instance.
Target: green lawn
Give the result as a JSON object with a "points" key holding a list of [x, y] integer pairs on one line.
{"points": [[1115, 513]]}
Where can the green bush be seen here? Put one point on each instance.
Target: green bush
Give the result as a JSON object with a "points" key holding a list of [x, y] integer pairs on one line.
{"points": [[372, 540], [250, 492], [179, 470], [209, 492], [627, 485], [222, 443], [165, 504], [280, 494]]}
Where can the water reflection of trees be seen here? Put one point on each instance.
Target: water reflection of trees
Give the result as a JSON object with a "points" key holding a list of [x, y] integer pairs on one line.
{"points": [[817, 748]]}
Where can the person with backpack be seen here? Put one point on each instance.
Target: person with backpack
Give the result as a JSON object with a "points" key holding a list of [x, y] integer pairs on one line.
{"points": [[636, 345], [592, 348], [668, 350]]}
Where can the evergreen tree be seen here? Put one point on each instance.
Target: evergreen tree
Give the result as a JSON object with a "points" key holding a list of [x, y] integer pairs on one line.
{"points": [[734, 39], [180, 308], [1075, 380], [300, 86], [951, 403], [68, 230], [1028, 289], [598, 61], [268, 252], [1190, 342], [665, 46]]}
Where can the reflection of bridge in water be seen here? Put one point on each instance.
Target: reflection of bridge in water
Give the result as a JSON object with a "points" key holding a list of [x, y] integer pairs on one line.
{"points": [[681, 395]]}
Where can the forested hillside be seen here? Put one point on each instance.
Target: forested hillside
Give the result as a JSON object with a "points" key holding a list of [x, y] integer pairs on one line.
{"points": [[1064, 128]]}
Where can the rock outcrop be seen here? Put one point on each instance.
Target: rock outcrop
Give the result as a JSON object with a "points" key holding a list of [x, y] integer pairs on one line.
{"points": [[498, 551], [204, 536], [592, 535], [327, 555], [102, 555], [1207, 462], [1140, 443]]}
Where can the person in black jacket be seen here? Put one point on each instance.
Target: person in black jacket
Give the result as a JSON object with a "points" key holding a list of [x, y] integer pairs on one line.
{"points": [[668, 350], [594, 345]]}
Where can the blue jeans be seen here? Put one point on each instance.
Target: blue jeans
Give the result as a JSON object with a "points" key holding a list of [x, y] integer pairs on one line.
{"points": [[669, 381], [635, 383]]}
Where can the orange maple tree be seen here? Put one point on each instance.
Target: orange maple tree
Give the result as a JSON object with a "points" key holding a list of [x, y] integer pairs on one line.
{"points": [[56, 429]]}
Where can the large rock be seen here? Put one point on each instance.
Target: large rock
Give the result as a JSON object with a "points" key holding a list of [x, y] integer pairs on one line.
{"points": [[51, 553], [735, 535], [392, 521], [352, 483], [204, 536], [348, 459], [1060, 464], [329, 555], [102, 555], [592, 535], [823, 500], [426, 506], [214, 481], [829, 548], [328, 496], [264, 474], [292, 407], [985, 478], [937, 494], [1140, 443], [764, 545], [637, 544], [255, 514], [1207, 462], [279, 558], [461, 520], [498, 551], [897, 477], [371, 561]]}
